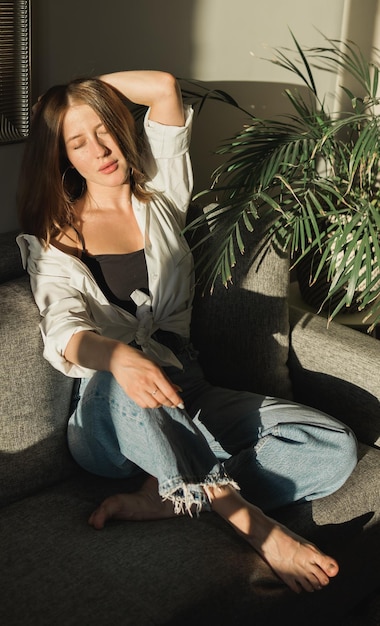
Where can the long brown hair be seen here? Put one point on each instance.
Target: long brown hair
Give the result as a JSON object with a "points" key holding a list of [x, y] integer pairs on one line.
{"points": [[44, 206]]}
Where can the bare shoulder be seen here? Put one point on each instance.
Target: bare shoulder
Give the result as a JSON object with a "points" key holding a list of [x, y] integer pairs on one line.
{"points": [[68, 241]]}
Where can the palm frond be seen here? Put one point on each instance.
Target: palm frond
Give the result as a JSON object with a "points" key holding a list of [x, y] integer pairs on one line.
{"points": [[198, 93]]}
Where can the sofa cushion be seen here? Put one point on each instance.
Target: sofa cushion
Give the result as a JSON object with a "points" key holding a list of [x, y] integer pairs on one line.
{"points": [[34, 401], [180, 571]]}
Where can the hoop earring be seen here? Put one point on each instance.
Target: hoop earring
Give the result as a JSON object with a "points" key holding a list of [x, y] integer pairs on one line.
{"points": [[73, 184]]}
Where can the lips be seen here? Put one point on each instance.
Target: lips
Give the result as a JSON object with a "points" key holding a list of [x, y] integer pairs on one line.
{"points": [[108, 168]]}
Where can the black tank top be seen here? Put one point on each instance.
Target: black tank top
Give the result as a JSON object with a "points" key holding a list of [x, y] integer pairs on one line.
{"points": [[118, 275]]}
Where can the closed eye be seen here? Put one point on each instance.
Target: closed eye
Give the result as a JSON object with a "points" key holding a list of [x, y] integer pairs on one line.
{"points": [[102, 130]]}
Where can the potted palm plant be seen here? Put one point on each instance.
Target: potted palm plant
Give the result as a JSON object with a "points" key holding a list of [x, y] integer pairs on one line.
{"points": [[316, 173]]}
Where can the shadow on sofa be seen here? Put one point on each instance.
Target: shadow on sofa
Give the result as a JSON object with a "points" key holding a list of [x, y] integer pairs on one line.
{"points": [[335, 369], [315, 391]]}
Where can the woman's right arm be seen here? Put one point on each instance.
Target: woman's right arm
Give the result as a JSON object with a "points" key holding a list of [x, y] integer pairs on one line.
{"points": [[155, 89], [135, 373]]}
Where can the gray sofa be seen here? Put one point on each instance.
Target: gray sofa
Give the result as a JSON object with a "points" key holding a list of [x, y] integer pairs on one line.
{"points": [[57, 570]]}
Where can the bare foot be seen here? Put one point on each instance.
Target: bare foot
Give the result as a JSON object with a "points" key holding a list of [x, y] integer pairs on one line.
{"points": [[297, 562], [145, 504], [300, 564]]}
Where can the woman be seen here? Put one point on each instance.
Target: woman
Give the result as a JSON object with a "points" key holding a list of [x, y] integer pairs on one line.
{"points": [[112, 277]]}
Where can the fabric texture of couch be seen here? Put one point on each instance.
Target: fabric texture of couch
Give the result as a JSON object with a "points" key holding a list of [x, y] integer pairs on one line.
{"points": [[55, 569]]}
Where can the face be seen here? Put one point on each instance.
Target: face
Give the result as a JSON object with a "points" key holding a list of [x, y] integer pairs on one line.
{"points": [[91, 149]]}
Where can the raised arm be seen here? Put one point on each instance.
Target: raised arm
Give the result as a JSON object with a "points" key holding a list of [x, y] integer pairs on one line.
{"points": [[158, 90]]}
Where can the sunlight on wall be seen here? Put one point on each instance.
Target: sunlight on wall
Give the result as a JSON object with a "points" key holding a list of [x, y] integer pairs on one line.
{"points": [[231, 38], [363, 28], [230, 41]]}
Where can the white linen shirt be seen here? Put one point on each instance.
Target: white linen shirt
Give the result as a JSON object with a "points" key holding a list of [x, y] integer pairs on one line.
{"points": [[67, 295]]}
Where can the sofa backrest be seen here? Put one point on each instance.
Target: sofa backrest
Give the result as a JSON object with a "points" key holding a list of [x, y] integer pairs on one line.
{"points": [[34, 398], [242, 331]]}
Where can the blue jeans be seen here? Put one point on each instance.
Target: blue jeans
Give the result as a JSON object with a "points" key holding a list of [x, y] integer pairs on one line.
{"points": [[275, 451]]}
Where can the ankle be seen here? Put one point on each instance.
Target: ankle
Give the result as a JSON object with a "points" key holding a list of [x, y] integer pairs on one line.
{"points": [[246, 518]]}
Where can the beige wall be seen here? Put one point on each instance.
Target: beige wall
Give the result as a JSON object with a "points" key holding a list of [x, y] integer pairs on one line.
{"points": [[213, 40]]}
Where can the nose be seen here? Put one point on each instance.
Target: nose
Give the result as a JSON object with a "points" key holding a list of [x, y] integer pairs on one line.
{"points": [[100, 148]]}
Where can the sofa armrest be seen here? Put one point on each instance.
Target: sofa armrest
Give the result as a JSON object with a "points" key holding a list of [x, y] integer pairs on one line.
{"points": [[336, 369]]}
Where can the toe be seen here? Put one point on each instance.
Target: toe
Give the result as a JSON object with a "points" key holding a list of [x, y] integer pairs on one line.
{"points": [[97, 519]]}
